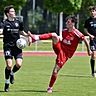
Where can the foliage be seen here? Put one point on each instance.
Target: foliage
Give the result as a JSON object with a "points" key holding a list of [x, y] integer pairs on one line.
{"points": [[35, 19], [67, 6], [84, 13], [17, 4], [87, 3]]}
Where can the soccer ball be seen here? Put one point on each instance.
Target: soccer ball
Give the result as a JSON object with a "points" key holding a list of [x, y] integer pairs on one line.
{"points": [[21, 43]]}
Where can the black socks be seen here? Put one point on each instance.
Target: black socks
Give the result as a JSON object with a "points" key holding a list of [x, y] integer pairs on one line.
{"points": [[92, 65], [15, 69], [7, 73]]}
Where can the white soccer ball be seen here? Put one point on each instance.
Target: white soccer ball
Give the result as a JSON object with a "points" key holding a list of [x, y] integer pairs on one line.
{"points": [[21, 43]]}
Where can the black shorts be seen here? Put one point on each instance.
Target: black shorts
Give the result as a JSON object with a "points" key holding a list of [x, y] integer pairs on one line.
{"points": [[12, 51], [93, 44]]}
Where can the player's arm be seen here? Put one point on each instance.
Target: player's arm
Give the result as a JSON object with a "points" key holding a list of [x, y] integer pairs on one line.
{"points": [[1, 31], [23, 34], [1, 28], [80, 35], [87, 33], [27, 36], [87, 45]]}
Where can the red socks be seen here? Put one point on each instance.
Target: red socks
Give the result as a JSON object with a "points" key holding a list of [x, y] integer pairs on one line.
{"points": [[53, 79], [45, 36]]}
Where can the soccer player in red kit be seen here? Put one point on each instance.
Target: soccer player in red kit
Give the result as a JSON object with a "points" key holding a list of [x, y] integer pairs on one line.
{"points": [[64, 48]]}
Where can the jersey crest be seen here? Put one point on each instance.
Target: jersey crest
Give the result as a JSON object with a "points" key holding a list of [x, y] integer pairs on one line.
{"points": [[16, 24]]}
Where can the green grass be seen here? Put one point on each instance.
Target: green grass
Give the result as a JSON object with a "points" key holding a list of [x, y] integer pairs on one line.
{"points": [[74, 79], [42, 46]]}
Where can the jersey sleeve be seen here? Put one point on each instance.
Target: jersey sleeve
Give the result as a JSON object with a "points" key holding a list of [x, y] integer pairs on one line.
{"points": [[63, 32], [1, 25], [79, 34], [86, 24]]}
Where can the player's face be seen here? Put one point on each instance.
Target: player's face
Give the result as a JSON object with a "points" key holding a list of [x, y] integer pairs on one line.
{"points": [[69, 23], [93, 13], [11, 13]]}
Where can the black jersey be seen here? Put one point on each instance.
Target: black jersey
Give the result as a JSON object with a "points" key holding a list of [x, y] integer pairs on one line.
{"points": [[90, 25], [11, 30]]}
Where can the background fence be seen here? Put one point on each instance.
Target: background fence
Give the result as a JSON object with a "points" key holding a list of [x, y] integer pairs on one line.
{"points": [[45, 45]]}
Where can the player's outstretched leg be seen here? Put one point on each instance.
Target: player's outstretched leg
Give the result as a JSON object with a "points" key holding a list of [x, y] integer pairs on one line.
{"points": [[46, 36]]}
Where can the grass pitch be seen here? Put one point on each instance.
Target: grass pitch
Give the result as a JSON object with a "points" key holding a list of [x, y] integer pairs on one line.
{"points": [[74, 79]]}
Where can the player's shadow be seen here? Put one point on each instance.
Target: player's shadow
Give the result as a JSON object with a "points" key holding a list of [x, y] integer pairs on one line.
{"points": [[36, 91], [2, 91], [25, 90], [78, 76]]}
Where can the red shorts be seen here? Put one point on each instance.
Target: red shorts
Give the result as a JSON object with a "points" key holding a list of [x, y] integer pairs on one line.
{"points": [[62, 56]]}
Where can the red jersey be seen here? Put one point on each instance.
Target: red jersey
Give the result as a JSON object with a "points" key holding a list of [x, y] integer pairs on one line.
{"points": [[70, 41]]}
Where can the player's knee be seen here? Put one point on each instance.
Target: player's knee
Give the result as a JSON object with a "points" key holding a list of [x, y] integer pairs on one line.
{"points": [[19, 65], [54, 35], [55, 38], [93, 56], [9, 67]]}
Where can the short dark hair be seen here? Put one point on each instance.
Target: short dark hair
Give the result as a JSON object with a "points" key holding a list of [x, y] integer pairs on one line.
{"points": [[7, 8], [92, 8], [72, 17]]}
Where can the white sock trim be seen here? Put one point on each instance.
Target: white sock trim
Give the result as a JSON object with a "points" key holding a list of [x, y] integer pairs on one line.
{"points": [[12, 73], [36, 37], [7, 81]]}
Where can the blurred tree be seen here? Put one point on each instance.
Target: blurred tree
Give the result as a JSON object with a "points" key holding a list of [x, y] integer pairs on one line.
{"points": [[17, 4], [86, 3], [84, 13], [70, 7], [67, 6]]}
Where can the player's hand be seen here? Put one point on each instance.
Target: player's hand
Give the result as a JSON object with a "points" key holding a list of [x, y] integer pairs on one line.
{"points": [[92, 37], [29, 39], [89, 52], [32, 37], [29, 34]]}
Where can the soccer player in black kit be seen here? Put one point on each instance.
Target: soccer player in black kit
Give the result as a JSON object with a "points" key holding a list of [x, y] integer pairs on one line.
{"points": [[90, 30], [11, 29]]}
